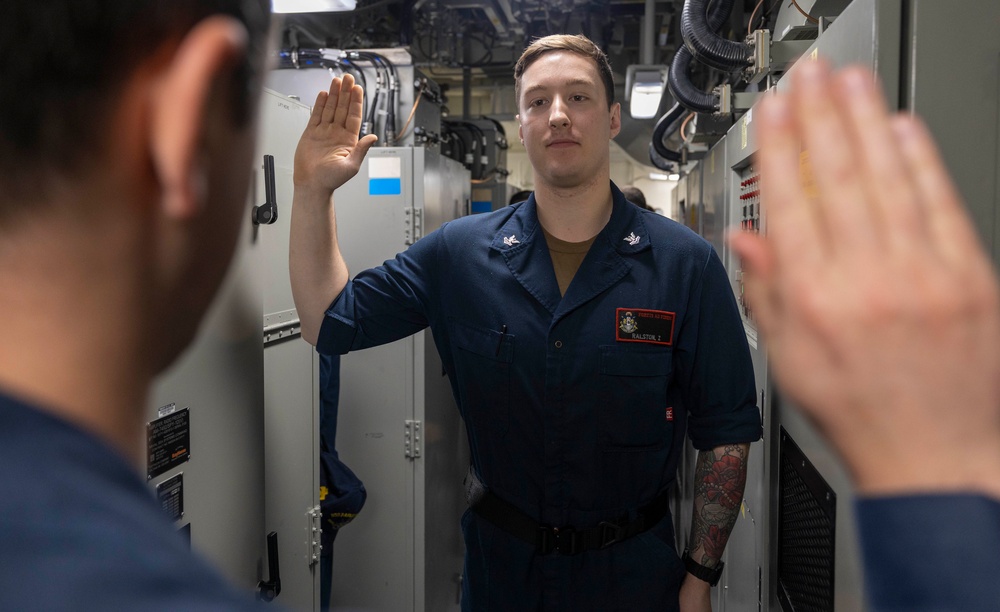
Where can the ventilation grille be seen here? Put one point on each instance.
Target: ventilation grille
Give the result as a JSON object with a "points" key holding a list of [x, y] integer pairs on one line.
{"points": [[807, 514]]}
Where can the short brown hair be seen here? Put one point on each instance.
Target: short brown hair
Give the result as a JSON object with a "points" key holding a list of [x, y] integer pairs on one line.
{"points": [[579, 44], [64, 63]]}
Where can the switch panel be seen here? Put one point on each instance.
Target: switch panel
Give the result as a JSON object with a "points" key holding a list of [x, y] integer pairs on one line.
{"points": [[748, 202]]}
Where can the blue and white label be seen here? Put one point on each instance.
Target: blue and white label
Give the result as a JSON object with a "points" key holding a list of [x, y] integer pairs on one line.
{"points": [[385, 176]]}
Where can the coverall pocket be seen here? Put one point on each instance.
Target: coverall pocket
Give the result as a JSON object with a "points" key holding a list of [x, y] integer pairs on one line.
{"points": [[633, 413], [483, 362]]}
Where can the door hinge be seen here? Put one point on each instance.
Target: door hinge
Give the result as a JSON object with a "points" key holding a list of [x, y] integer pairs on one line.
{"points": [[413, 225], [314, 525], [412, 439], [281, 326]]}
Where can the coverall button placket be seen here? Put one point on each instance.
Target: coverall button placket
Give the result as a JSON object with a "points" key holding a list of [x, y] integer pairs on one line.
{"points": [[554, 423], [555, 487]]}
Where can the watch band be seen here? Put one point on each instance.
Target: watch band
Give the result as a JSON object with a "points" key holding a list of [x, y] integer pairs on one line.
{"points": [[708, 574]]}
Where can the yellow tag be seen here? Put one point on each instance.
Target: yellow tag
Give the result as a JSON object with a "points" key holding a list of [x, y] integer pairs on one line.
{"points": [[322, 493], [743, 510], [814, 55]]}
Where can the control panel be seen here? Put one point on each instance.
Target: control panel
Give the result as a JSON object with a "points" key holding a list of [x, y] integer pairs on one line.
{"points": [[749, 203]]}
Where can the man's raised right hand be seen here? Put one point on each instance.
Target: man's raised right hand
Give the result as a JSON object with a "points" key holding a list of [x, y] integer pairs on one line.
{"points": [[329, 152]]}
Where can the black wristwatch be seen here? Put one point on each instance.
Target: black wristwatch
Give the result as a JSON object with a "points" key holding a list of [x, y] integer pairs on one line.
{"points": [[708, 574]]}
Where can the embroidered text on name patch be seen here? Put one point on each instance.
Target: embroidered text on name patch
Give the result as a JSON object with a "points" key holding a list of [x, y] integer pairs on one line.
{"points": [[649, 326]]}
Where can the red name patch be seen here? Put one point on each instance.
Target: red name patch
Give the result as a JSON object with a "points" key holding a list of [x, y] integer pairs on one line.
{"points": [[640, 325]]}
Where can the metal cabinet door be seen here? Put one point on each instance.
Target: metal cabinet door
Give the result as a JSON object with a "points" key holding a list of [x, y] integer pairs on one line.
{"points": [[291, 374], [373, 556]]}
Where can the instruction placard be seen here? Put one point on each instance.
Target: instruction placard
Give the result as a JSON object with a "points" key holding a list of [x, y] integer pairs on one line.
{"points": [[170, 492], [168, 442]]}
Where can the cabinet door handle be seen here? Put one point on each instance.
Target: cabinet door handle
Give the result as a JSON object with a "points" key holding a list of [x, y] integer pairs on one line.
{"points": [[267, 590]]}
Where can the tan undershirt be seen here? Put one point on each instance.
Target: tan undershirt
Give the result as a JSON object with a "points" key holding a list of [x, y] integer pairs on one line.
{"points": [[566, 258]]}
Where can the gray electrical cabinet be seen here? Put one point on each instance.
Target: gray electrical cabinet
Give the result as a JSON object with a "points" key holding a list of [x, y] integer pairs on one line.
{"points": [[245, 397], [205, 427], [214, 395], [399, 428], [233, 425], [794, 544]]}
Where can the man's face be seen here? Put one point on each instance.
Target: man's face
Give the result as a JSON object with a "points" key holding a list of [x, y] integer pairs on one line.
{"points": [[564, 120]]}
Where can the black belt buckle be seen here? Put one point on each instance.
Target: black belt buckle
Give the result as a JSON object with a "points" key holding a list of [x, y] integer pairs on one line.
{"points": [[546, 542], [565, 541], [610, 533]]}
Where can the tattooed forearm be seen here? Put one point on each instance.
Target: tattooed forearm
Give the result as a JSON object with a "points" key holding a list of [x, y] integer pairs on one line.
{"points": [[719, 478]]}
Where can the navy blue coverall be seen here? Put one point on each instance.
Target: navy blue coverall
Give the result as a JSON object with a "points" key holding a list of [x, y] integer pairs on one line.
{"points": [[575, 405]]}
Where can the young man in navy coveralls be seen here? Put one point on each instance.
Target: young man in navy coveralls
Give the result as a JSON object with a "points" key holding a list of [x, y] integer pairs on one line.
{"points": [[126, 135], [577, 379]]}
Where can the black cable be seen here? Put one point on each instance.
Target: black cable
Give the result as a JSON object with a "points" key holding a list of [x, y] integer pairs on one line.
{"points": [[392, 83], [389, 129], [708, 47], [420, 46], [496, 123], [679, 82], [454, 139], [382, 75], [359, 73], [478, 137], [390, 118], [502, 143], [683, 90], [660, 162], [665, 126]]}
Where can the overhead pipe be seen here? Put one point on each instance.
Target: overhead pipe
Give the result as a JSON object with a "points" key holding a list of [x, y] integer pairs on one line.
{"points": [[648, 33]]}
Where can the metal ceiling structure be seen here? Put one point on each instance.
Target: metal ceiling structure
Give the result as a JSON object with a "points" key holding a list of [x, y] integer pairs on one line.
{"points": [[473, 44]]}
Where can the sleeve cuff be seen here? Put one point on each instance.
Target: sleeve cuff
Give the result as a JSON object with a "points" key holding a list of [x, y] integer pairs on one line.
{"points": [[738, 427], [336, 333], [931, 552]]}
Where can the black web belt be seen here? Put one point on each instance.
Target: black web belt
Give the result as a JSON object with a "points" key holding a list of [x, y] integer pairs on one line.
{"points": [[567, 540]]}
